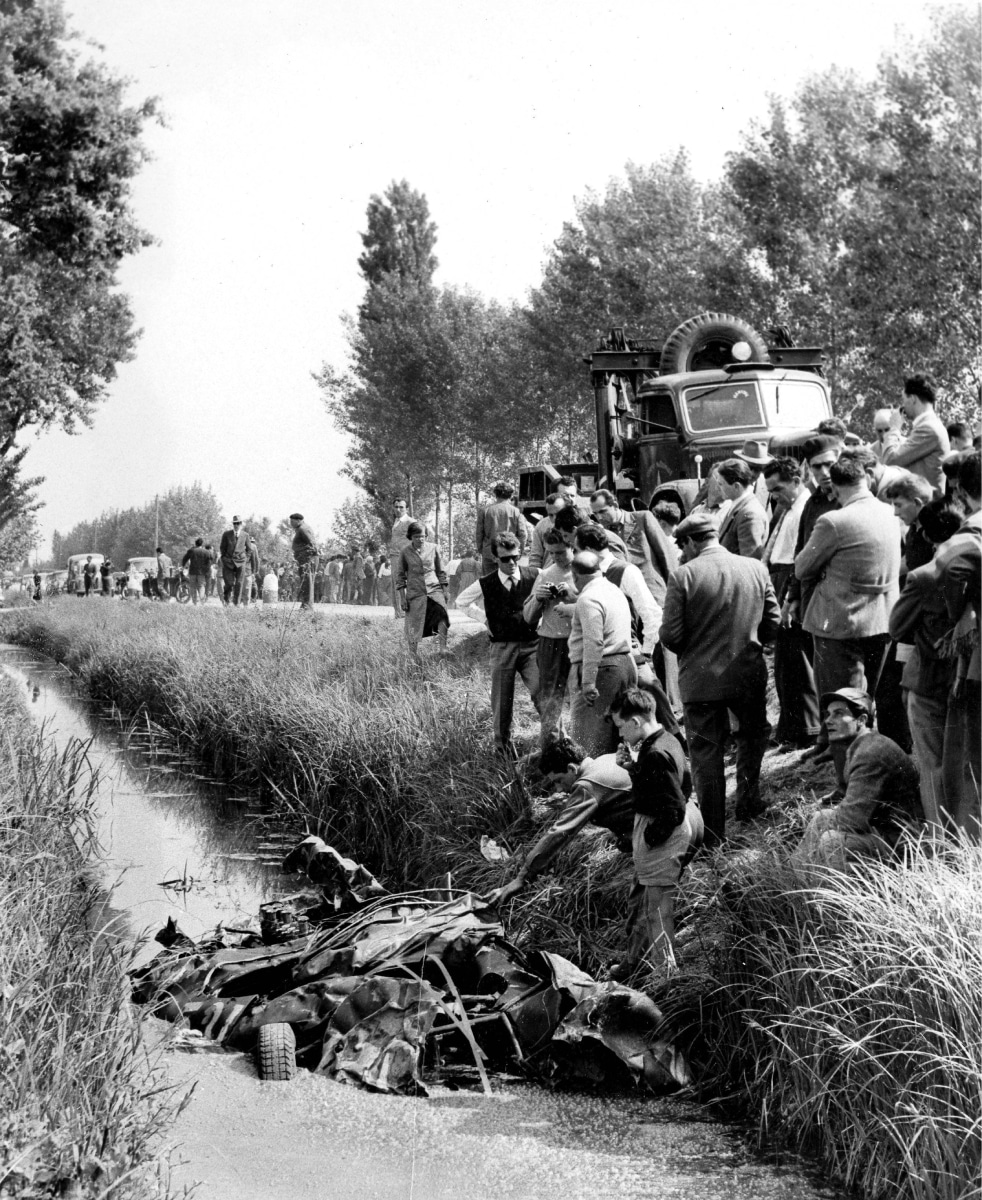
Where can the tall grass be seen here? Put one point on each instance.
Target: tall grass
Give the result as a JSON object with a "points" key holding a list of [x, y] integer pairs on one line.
{"points": [[80, 1099], [845, 1011]]}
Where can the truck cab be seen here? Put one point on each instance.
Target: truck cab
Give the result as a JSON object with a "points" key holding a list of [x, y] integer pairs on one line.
{"points": [[667, 412]]}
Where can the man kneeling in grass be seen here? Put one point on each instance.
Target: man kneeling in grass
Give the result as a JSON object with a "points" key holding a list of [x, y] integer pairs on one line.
{"points": [[668, 828], [881, 798]]}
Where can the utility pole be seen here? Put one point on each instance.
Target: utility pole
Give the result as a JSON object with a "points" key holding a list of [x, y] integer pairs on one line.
{"points": [[156, 528]]}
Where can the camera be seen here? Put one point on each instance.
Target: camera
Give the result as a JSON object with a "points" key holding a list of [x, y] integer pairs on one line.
{"points": [[556, 589]]}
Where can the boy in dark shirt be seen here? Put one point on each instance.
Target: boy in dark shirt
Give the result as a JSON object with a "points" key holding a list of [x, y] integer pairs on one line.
{"points": [[668, 827]]}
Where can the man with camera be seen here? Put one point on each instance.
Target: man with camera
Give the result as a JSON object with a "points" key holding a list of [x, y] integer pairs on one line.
{"points": [[548, 612]]}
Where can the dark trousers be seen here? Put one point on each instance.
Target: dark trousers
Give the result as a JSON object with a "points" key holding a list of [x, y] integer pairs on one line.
{"points": [[508, 660], [794, 682], [707, 726], [232, 583], [306, 573], [552, 658]]}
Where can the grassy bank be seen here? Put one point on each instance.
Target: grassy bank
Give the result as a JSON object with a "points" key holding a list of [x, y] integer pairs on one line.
{"points": [[843, 1015], [78, 1109]]}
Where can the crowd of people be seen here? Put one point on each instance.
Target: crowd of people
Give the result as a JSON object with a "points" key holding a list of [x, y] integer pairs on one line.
{"points": [[640, 637]]}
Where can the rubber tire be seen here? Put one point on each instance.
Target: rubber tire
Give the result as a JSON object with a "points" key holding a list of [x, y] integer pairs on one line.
{"points": [[276, 1052], [684, 343]]}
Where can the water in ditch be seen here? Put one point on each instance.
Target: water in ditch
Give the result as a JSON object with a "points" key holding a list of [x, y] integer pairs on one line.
{"points": [[173, 845]]}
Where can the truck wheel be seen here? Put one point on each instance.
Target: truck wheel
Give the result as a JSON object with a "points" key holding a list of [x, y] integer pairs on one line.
{"points": [[276, 1052], [704, 342]]}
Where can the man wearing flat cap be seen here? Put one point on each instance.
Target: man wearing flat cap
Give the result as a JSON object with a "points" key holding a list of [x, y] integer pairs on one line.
{"points": [[307, 557], [719, 609], [880, 799]]}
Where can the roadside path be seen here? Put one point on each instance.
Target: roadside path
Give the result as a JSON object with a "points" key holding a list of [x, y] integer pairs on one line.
{"points": [[315, 1139]]}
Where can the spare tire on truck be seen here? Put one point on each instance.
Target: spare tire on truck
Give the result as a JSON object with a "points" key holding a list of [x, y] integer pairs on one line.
{"points": [[276, 1052], [705, 342]]}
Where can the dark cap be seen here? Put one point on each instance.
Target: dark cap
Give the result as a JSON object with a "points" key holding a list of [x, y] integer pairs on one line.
{"points": [[698, 526], [819, 444], [296, 516], [857, 700]]}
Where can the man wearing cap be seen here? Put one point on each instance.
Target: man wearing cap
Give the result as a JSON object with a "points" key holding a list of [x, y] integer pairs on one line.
{"points": [[880, 799], [719, 609], [744, 528], [500, 517], [852, 563], [600, 654], [233, 550], [306, 555]]}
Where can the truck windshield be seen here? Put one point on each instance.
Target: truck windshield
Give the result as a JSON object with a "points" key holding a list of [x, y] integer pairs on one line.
{"points": [[794, 403], [723, 406]]}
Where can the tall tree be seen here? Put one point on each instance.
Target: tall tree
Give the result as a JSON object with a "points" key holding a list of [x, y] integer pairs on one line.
{"points": [[69, 148], [400, 237], [862, 197]]}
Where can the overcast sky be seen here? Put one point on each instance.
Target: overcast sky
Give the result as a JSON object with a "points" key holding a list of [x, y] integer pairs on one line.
{"points": [[283, 118]]}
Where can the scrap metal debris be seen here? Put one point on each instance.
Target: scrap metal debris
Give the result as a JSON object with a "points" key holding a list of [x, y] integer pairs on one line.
{"points": [[385, 991]]}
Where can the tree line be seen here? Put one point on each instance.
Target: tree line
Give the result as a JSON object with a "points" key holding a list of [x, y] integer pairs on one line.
{"points": [[172, 521], [850, 216]]}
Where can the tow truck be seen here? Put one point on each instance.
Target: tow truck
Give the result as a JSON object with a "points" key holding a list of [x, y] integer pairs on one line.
{"points": [[667, 412]]}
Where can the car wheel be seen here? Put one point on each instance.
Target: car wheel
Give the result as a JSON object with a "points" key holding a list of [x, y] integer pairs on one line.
{"points": [[276, 1052]]}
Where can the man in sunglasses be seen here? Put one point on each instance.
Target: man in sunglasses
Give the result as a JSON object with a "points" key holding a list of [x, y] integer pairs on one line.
{"points": [[499, 599]]}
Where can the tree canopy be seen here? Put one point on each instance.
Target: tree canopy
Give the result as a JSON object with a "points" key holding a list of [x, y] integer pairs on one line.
{"points": [[69, 149]]}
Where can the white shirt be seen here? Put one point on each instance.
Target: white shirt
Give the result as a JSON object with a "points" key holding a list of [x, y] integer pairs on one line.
{"points": [[780, 550], [633, 585]]}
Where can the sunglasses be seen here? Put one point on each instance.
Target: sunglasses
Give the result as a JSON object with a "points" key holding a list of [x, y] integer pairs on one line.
{"points": [[508, 558]]}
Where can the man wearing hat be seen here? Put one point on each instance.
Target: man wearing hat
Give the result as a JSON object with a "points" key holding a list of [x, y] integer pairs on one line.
{"points": [[233, 550], [500, 517], [719, 608], [756, 455], [879, 799], [307, 556]]}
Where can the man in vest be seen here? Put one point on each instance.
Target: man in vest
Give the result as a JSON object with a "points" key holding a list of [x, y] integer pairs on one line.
{"points": [[499, 598]]}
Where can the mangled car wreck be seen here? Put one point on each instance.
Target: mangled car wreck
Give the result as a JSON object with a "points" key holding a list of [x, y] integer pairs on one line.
{"points": [[387, 991]]}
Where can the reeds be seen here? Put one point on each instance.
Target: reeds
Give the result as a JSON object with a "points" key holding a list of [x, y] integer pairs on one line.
{"points": [[845, 1012], [80, 1099]]}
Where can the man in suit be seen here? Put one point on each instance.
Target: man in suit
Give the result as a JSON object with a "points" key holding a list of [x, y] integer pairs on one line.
{"points": [[648, 548], [744, 528], [233, 550], [852, 561], [499, 598], [927, 443], [719, 609], [500, 517]]}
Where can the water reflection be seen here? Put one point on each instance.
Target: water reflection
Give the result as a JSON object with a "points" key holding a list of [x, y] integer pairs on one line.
{"points": [[174, 844]]}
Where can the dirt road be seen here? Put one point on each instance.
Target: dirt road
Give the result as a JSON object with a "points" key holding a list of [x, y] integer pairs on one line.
{"points": [[314, 1139]]}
